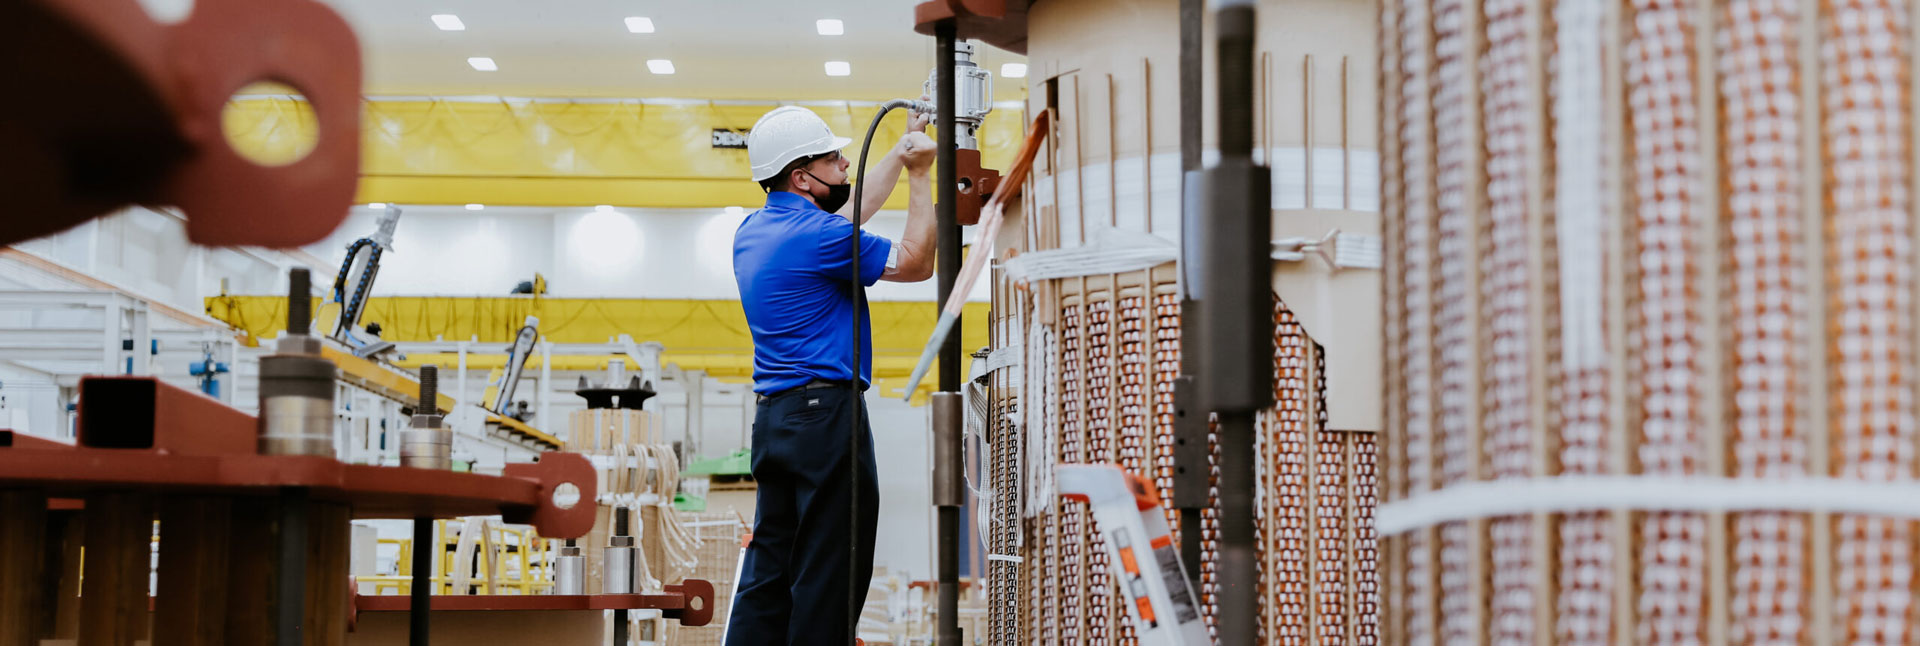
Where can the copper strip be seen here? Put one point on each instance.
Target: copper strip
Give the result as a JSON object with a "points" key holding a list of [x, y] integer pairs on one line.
{"points": [[1666, 170], [1870, 291], [1759, 82], [1417, 163]]}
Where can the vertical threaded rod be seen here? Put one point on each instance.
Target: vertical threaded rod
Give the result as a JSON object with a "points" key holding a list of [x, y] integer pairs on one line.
{"points": [[299, 301], [429, 389]]}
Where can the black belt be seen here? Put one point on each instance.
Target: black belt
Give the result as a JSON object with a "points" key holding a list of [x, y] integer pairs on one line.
{"points": [[811, 385]]}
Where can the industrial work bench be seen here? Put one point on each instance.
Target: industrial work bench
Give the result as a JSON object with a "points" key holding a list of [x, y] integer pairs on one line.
{"points": [[252, 548]]}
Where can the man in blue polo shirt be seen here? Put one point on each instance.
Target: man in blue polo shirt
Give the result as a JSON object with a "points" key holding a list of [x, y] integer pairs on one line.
{"points": [[794, 263]]}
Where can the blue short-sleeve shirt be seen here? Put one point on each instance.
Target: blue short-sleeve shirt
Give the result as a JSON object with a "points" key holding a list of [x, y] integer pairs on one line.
{"points": [[793, 262]]}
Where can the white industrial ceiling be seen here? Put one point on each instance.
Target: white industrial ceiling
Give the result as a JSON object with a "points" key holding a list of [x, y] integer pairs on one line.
{"points": [[721, 49]]}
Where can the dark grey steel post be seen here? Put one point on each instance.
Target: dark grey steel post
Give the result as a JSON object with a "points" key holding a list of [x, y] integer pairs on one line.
{"points": [[1190, 450], [290, 588], [419, 604], [948, 268], [1190, 83], [299, 301], [618, 560], [1237, 315]]}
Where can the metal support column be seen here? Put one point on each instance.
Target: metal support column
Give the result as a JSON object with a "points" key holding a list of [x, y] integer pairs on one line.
{"points": [[290, 569], [948, 269], [1190, 452], [1237, 319], [420, 603]]}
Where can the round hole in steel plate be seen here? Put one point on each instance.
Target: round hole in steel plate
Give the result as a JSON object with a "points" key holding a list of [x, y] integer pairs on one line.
{"points": [[695, 603], [167, 12], [270, 123], [566, 495]]}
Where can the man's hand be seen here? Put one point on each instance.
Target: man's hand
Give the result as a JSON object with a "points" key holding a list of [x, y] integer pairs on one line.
{"points": [[917, 121], [917, 150], [914, 152]]}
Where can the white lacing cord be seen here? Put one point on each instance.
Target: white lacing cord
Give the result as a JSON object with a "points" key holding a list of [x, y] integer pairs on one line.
{"points": [[1042, 427], [1017, 421], [1520, 496], [682, 546], [1108, 250], [655, 489], [973, 433], [627, 465]]}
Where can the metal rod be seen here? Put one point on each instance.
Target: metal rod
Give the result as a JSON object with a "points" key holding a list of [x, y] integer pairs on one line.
{"points": [[945, 211], [1190, 455], [948, 267], [618, 577], [419, 605], [1235, 62], [290, 598], [429, 389], [1238, 571], [1190, 424], [1235, 294], [299, 301], [949, 626]]}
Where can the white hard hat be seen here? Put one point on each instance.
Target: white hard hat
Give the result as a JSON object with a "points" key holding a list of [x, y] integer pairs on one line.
{"points": [[785, 134]]}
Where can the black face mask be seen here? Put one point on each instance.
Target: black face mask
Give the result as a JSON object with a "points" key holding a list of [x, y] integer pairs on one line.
{"points": [[837, 194]]}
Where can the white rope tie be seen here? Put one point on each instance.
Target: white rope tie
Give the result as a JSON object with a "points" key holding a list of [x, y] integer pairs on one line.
{"points": [[1520, 496]]}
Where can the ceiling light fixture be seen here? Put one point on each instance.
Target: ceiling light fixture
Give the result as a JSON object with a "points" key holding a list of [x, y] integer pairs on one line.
{"points": [[604, 208], [640, 24], [1013, 70], [839, 68], [475, 207], [829, 27], [660, 66], [448, 22], [482, 63]]}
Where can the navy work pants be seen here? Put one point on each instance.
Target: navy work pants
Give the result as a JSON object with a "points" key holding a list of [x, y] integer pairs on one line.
{"points": [[793, 586]]}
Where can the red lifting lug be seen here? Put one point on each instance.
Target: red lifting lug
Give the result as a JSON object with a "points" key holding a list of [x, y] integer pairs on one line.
{"points": [[698, 607], [563, 511], [976, 186]]}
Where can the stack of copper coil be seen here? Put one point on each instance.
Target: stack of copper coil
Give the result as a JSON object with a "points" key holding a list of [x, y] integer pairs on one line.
{"points": [[1283, 482], [1332, 538], [1584, 610], [1101, 601], [1666, 171], [1210, 536], [1413, 23], [1507, 289], [1133, 366], [1005, 533], [1075, 523], [1699, 266], [1113, 363], [1365, 550], [1455, 320], [1166, 368], [1866, 50], [1757, 43]]}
